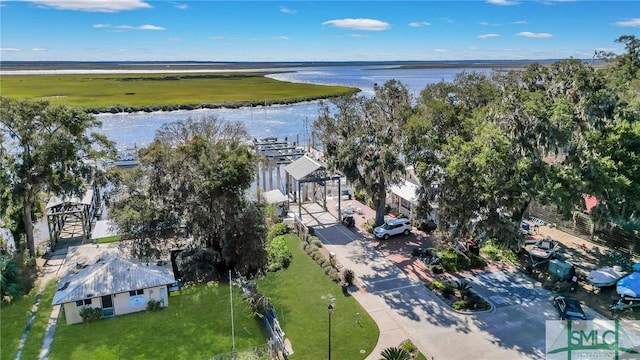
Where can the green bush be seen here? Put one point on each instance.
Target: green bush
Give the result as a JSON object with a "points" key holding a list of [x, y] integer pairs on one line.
{"points": [[10, 279], [369, 225], [459, 305], [278, 255], [154, 305], [90, 313], [494, 252], [277, 230]]}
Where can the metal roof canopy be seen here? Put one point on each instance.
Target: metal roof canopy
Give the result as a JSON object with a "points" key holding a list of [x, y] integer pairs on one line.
{"points": [[308, 170], [406, 190], [303, 167]]}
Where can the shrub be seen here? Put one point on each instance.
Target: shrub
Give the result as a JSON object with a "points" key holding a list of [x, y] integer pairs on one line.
{"points": [[448, 291], [436, 285], [279, 255], [369, 225], [154, 305], [90, 313], [316, 242], [438, 269], [459, 305], [394, 353], [463, 287], [10, 279], [277, 230], [494, 252], [409, 346], [348, 276]]}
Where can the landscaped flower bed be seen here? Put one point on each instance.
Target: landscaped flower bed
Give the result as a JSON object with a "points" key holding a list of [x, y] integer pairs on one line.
{"points": [[458, 295]]}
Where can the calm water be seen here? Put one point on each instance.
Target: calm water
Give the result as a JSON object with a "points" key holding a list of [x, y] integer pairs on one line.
{"points": [[280, 121]]}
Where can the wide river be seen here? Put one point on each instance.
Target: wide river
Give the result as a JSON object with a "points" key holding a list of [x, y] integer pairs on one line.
{"points": [[292, 121]]}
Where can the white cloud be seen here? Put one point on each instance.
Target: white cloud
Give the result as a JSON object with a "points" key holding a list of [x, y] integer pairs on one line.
{"points": [[141, 27], [151, 27], [629, 23], [38, 49], [93, 5], [520, 22], [181, 6], [419, 24], [9, 49], [472, 48], [100, 26], [529, 34], [440, 50], [174, 39], [286, 10], [278, 38], [502, 2], [359, 24], [359, 36], [447, 20], [488, 36], [485, 23]]}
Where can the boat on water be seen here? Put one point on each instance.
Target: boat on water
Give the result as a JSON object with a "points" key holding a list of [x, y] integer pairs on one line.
{"points": [[127, 158]]}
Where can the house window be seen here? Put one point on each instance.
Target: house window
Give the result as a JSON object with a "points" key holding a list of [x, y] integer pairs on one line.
{"points": [[405, 204], [136, 292], [83, 302]]}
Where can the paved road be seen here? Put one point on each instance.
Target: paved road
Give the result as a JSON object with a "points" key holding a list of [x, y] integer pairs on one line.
{"points": [[403, 308]]}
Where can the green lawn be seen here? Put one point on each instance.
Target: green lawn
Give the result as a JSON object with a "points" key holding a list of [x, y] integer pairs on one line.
{"points": [[196, 325], [33, 345], [300, 296], [108, 239], [13, 320], [140, 91]]}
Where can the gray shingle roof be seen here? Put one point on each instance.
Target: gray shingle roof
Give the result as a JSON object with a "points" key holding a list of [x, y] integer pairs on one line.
{"points": [[106, 275]]}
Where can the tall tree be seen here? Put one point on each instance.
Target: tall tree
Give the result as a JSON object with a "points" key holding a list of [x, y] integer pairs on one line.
{"points": [[48, 142], [194, 175], [362, 138]]}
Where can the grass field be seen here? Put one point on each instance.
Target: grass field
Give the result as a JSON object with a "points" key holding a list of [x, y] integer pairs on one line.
{"points": [[33, 345], [135, 92], [301, 294], [13, 320], [196, 325]]}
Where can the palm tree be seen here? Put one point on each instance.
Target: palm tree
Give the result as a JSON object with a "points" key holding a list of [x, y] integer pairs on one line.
{"points": [[394, 353]]}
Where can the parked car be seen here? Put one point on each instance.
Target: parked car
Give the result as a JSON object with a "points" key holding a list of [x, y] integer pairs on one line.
{"points": [[569, 308], [393, 227]]}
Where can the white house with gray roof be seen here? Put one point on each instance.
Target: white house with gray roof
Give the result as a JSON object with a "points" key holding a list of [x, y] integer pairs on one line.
{"points": [[97, 276]]}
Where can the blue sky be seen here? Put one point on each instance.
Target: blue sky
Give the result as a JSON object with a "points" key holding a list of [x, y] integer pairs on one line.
{"points": [[139, 30]]}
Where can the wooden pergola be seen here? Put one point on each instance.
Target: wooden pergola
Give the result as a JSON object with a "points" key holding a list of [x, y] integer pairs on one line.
{"points": [[61, 210]]}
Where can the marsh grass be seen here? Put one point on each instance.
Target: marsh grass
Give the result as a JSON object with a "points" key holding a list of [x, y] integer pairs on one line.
{"points": [[150, 92]]}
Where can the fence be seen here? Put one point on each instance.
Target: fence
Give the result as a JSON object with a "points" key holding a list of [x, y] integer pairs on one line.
{"points": [[581, 225]]}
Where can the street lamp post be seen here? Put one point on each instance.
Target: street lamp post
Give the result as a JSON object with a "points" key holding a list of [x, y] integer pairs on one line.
{"points": [[329, 309]]}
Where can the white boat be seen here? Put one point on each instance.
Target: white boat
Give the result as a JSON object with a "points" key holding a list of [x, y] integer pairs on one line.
{"points": [[127, 158], [606, 276]]}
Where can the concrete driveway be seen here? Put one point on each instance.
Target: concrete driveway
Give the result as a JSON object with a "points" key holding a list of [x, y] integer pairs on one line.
{"points": [[404, 308]]}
